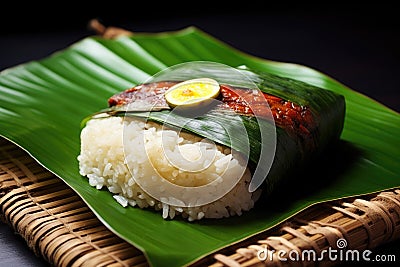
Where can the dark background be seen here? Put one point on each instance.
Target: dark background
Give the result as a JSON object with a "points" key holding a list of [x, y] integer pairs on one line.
{"points": [[358, 45]]}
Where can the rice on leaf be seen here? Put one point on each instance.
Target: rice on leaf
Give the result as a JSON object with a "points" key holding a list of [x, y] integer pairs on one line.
{"points": [[203, 163]]}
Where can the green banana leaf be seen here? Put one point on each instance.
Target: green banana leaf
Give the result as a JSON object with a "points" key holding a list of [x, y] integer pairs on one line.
{"points": [[226, 129], [42, 104]]}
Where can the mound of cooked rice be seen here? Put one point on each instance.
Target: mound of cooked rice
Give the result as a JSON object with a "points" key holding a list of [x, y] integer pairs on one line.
{"points": [[146, 165]]}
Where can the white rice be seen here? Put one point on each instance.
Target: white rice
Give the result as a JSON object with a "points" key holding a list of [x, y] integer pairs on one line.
{"points": [[120, 154]]}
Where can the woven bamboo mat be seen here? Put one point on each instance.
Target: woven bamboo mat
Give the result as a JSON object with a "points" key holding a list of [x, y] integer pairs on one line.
{"points": [[58, 226]]}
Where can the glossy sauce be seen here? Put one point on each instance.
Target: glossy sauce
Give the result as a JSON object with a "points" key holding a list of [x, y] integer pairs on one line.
{"points": [[297, 120]]}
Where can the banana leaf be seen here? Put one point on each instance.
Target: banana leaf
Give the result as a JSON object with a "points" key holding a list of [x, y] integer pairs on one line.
{"points": [[43, 102], [273, 149]]}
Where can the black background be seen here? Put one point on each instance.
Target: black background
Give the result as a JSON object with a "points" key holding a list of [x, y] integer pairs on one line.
{"points": [[358, 45]]}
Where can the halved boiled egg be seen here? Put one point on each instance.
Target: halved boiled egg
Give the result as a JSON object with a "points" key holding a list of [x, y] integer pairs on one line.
{"points": [[192, 93]]}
